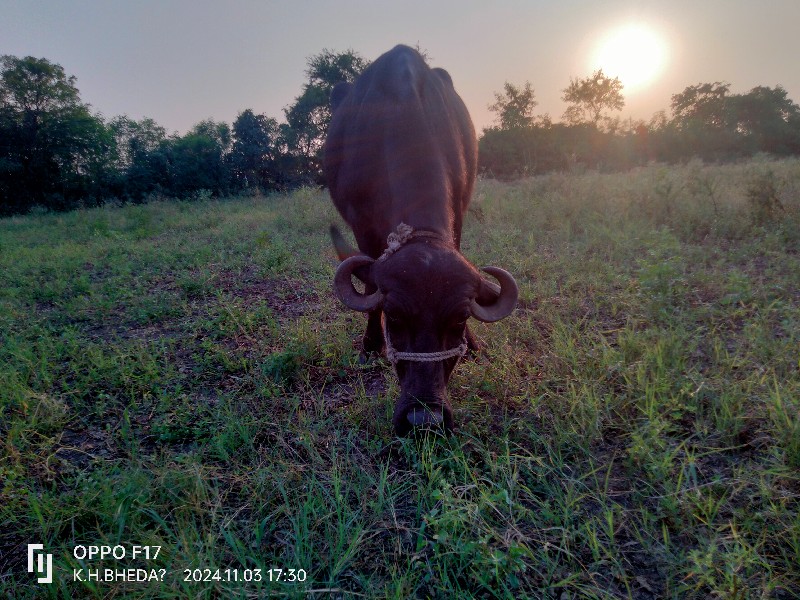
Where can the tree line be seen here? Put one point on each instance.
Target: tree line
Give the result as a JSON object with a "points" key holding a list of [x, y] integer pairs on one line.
{"points": [[56, 153], [707, 121]]}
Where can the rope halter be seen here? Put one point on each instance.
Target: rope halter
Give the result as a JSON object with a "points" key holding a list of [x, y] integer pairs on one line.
{"points": [[394, 355], [396, 240]]}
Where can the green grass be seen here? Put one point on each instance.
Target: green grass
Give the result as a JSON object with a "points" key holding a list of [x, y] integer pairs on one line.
{"points": [[180, 375]]}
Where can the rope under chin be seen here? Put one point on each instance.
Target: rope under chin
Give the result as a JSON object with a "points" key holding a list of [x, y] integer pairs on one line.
{"points": [[395, 355]]}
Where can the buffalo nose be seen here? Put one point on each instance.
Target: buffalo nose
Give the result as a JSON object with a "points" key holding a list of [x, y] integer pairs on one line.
{"points": [[420, 416]]}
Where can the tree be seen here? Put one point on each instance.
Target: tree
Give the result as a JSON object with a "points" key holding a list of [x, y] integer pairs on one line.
{"points": [[590, 97], [768, 119], [219, 132], [134, 140], [704, 104], [705, 116], [719, 125], [307, 119], [36, 86], [520, 152], [140, 158], [254, 154], [328, 68], [514, 107], [54, 150], [198, 160]]}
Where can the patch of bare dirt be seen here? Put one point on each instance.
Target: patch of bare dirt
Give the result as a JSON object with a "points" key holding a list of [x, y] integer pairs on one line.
{"points": [[341, 394], [287, 296], [80, 448]]}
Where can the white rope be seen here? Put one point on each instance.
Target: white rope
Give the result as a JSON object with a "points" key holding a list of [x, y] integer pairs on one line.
{"points": [[394, 356], [401, 235], [396, 239]]}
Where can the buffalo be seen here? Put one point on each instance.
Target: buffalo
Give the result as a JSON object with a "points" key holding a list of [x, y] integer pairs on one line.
{"points": [[400, 161]]}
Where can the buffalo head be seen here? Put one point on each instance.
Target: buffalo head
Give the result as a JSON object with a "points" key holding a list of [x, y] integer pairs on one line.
{"points": [[426, 291]]}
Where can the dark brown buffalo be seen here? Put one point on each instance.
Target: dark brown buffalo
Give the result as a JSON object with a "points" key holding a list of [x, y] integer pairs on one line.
{"points": [[400, 162]]}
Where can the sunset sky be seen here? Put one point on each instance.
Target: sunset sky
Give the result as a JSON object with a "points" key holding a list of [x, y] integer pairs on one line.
{"points": [[179, 62]]}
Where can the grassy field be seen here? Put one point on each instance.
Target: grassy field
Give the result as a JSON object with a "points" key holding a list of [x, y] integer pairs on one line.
{"points": [[179, 375]]}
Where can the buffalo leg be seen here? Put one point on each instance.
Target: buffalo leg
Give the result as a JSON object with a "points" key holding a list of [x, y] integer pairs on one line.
{"points": [[373, 336], [473, 345]]}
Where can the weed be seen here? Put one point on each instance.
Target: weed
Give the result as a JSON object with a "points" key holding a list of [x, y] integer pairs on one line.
{"points": [[763, 196]]}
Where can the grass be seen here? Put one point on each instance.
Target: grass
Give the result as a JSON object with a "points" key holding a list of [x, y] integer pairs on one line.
{"points": [[180, 375]]}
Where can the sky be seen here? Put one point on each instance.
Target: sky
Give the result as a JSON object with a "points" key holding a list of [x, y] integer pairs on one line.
{"points": [[182, 61]]}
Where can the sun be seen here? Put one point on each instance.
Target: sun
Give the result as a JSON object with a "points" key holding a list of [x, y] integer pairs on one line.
{"points": [[635, 53]]}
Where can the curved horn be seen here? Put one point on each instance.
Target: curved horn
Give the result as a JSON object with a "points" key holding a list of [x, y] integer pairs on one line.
{"points": [[505, 301], [345, 291]]}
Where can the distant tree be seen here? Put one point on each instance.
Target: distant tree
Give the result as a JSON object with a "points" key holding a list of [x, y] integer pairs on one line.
{"points": [[216, 130], [141, 157], [704, 105], [519, 152], [328, 68], [662, 139], [135, 139], [254, 154], [705, 117], [514, 107], [53, 150], [707, 121], [36, 86], [198, 160], [768, 119], [659, 120], [589, 98], [307, 119]]}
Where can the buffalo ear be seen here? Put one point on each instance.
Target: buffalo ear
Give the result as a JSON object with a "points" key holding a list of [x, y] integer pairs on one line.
{"points": [[339, 93], [443, 75]]}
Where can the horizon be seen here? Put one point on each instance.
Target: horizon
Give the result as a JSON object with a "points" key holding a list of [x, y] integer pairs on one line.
{"points": [[184, 62]]}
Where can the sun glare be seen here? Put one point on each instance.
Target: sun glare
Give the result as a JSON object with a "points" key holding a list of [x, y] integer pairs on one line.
{"points": [[635, 53]]}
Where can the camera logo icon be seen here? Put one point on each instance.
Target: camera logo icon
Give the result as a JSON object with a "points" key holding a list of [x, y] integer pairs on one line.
{"points": [[44, 563]]}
